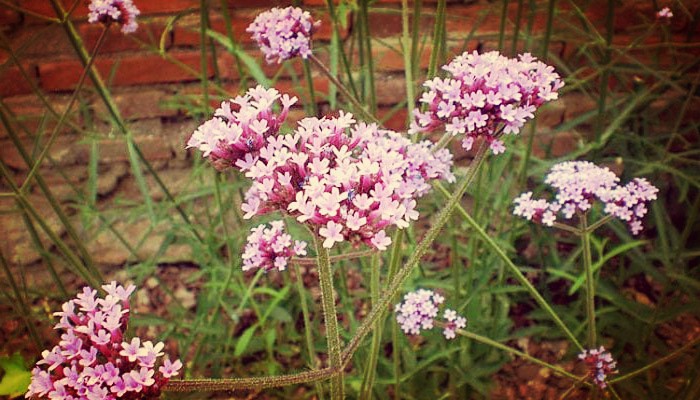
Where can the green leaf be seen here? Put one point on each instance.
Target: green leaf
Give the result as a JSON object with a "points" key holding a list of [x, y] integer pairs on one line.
{"points": [[17, 378], [599, 264], [244, 341]]}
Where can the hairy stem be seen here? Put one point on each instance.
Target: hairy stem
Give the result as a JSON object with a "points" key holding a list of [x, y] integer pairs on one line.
{"points": [[404, 272], [212, 385], [339, 257], [590, 284], [325, 276], [518, 353], [514, 270]]}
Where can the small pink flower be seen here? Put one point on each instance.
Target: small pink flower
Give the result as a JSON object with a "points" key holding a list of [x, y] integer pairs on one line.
{"points": [[664, 14], [333, 234], [283, 33], [170, 369]]}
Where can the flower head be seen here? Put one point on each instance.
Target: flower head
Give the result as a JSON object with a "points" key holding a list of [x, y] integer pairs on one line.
{"points": [[240, 128], [664, 14], [348, 181], [283, 33], [270, 248], [486, 94], [123, 12], [419, 310], [600, 364], [93, 359], [578, 184]]}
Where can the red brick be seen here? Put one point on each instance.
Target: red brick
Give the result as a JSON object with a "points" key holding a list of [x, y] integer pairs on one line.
{"points": [[258, 3], [149, 33], [229, 69], [397, 121], [13, 83], [130, 70], [9, 17], [186, 32], [147, 7]]}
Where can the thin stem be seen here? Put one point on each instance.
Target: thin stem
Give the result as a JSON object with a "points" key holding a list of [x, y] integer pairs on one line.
{"points": [[407, 46], [336, 258], [443, 142], [24, 310], [356, 103], [73, 98], [308, 329], [513, 269], [325, 276], [493, 343], [599, 223], [658, 362], [567, 228], [113, 110], [402, 274], [213, 385], [590, 284], [371, 367]]}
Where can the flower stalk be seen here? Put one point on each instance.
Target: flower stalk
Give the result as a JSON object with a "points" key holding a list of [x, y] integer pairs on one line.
{"points": [[590, 283], [325, 276], [344, 90]]}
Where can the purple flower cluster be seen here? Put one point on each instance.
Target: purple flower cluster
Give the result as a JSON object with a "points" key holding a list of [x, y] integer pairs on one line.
{"points": [[600, 364], [577, 185], [123, 12], [93, 360], [419, 309], [485, 95], [283, 33], [270, 248], [240, 128], [348, 181]]}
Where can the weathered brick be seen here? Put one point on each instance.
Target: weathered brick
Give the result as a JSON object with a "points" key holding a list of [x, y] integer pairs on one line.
{"points": [[397, 120], [13, 82], [186, 31], [138, 104], [147, 7], [136, 69], [149, 32]]}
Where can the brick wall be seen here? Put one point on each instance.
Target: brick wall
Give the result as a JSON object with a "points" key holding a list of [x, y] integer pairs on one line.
{"points": [[152, 87]]}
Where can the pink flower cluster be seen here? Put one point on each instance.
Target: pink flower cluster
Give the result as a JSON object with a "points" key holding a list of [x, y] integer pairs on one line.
{"points": [[600, 364], [578, 184], [664, 14], [349, 181], [283, 33], [240, 128], [123, 12], [419, 309], [485, 95], [92, 360], [270, 248]]}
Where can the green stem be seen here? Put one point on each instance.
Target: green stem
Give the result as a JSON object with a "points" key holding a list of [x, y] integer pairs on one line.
{"points": [[24, 310], [356, 103], [513, 269], [213, 385], [599, 223], [590, 284], [567, 228], [493, 343], [402, 274], [312, 91], [113, 110], [339, 257], [407, 45], [325, 276], [658, 362], [308, 329], [371, 367]]}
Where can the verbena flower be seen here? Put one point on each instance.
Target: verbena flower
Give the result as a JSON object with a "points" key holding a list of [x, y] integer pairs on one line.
{"points": [[484, 95], [94, 360], [664, 14], [240, 128], [600, 364], [283, 33], [347, 181], [123, 12], [419, 310], [577, 185], [270, 248]]}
